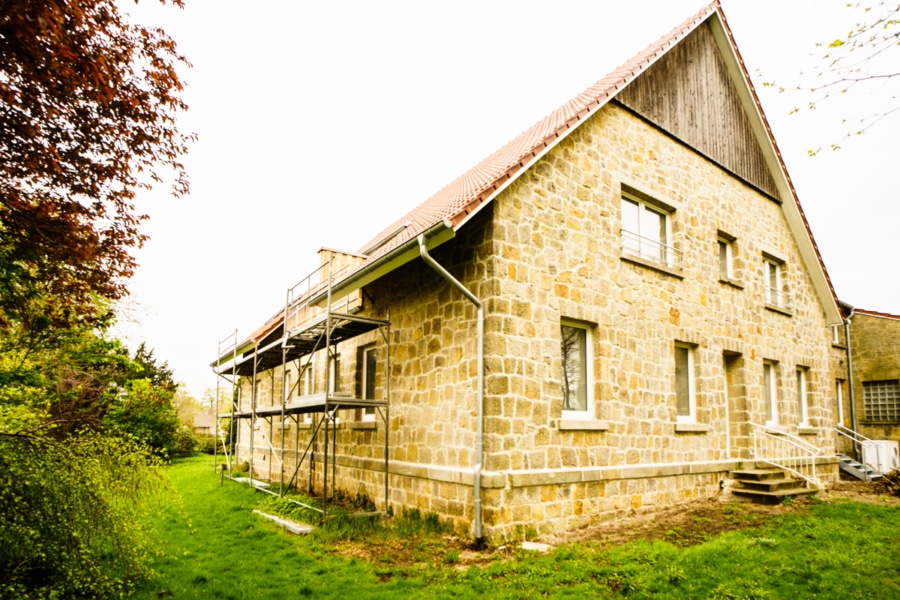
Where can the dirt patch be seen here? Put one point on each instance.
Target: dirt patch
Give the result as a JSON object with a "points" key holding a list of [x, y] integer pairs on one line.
{"points": [[684, 525]]}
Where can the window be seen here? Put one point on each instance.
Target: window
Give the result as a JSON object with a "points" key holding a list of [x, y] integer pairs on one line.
{"points": [[802, 406], [684, 384], [725, 244], [770, 393], [646, 231], [839, 398], [334, 373], [287, 392], [882, 400], [773, 277], [369, 367], [576, 389]]}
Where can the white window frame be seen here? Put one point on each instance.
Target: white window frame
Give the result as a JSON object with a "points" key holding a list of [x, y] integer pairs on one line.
{"points": [[368, 413], [839, 396], [334, 373], [687, 370], [803, 396], [645, 243], [286, 385], [770, 392], [725, 242], [586, 360], [773, 280]]}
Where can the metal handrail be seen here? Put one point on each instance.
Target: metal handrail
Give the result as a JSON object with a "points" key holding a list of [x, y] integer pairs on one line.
{"points": [[778, 298], [786, 452], [651, 250], [864, 442]]}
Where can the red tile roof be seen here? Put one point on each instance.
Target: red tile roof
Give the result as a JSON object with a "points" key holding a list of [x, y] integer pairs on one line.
{"points": [[469, 191], [872, 313]]}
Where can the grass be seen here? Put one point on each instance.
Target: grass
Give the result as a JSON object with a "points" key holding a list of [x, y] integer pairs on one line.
{"points": [[214, 547]]}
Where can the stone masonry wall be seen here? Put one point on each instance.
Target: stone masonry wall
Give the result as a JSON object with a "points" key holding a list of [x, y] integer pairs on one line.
{"points": [[547, 249], [875, 350]]}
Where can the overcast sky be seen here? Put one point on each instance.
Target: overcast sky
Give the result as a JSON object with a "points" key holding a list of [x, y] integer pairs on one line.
{"points": [[320, 123]]}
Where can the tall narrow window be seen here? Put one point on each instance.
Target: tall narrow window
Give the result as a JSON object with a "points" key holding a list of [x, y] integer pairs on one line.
{"points": [[770, 393], [334, 373], [575, 346], [287, 392], [773, 278], [839, 398], [726, 256], [802, 406], [645, 231], [684, 383], [369, 367]]}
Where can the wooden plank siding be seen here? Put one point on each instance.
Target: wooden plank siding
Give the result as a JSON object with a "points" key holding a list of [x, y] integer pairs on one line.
{"points": [[689, 94]]}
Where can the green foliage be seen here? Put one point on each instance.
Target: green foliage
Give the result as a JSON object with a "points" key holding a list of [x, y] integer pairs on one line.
{"points": [[146, 412], [74, 518]]}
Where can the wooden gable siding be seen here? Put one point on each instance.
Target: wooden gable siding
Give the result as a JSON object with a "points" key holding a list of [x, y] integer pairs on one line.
{"points": [[689, 93]]}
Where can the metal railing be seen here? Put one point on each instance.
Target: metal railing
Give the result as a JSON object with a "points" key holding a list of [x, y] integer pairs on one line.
{"points": [[860, 443], [786, 452], [778, 298], [651, 250]]}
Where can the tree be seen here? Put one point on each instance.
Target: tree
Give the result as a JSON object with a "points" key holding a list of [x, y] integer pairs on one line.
{"points": [[865, 57], [88, 103]]}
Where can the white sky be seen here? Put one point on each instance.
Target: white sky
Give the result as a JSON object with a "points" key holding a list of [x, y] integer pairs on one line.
{"points": [[320, 123]]}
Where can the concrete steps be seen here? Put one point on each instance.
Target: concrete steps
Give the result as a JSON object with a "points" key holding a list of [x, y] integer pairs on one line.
{"points": [[768, 485]]}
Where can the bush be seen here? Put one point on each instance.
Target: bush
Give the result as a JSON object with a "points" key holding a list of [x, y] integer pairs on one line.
{"points": [[75, 522], [206, 443]]}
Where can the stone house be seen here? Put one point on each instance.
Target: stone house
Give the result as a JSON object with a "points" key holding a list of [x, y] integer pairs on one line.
{"points": [[597, 319]]}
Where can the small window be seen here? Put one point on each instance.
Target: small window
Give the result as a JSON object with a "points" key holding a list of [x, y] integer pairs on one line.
{"points": [[334, 373], [770, 392], [839, 398], [576, 388], [802, 398], [646, 231], [287, 391], [369, 368], [882, 400], [684, 384], [773, 277], [725, 245]]}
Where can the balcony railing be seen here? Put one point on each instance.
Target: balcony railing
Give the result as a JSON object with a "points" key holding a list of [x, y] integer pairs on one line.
{"points": [[650, 250], [778, 298]]}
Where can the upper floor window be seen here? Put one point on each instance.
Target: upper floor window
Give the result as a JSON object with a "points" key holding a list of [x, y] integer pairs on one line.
{"points": [[773, 279], [685, 391], [725, 246], [334, 373], [576, 389], [882, 400], [647, 231]]}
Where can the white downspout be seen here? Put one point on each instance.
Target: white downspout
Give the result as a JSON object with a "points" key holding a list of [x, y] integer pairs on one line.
{"points": [[479, 433]]}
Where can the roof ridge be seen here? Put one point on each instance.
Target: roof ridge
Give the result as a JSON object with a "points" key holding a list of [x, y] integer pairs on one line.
{"points": [[465, 193]]}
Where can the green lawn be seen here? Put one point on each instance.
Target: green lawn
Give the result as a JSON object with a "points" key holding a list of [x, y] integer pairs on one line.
{"points": [[214, 547]]}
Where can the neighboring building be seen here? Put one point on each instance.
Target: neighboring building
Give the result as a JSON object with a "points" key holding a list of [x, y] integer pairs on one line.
{"points": [[651, 296], [875, 354], [205, 422]]}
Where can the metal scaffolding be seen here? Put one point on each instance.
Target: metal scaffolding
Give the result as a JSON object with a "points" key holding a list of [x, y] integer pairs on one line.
{"points": [[312, 323]]}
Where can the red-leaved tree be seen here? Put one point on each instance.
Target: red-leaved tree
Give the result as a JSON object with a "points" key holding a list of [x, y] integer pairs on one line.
{"points": [[88, 106]]}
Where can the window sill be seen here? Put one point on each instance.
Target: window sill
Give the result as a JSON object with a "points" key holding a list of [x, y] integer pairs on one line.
{"points": [[807, 430], [691, 427], [779, 309], [659, 267], [732, 282], [585, 425], [776, 430], [361, 425]]}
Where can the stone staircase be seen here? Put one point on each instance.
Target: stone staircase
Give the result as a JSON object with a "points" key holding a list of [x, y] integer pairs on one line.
{"points": [[768, 485], [857, 469]]}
